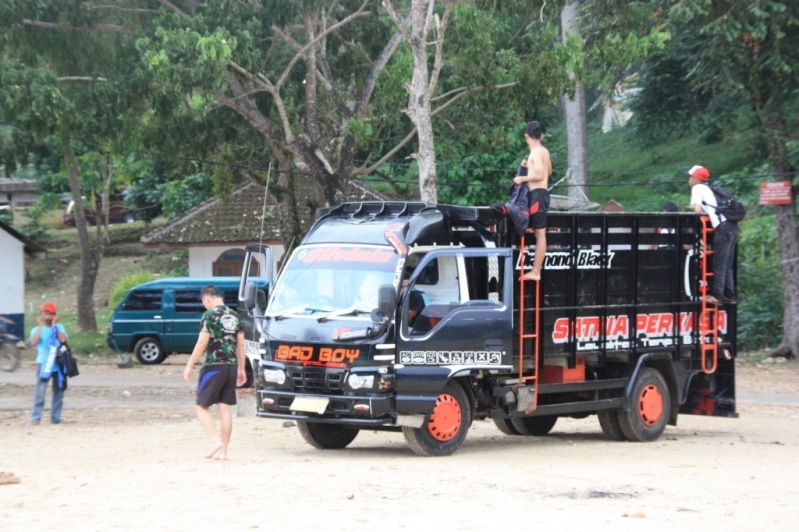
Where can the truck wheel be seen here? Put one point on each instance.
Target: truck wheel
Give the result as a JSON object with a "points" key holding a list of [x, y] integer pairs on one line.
{"points": [[327, 435], [506, 426], [534, 426], [609, 421], [9, 356], [650, 398], [148, 351], [446, 427]]}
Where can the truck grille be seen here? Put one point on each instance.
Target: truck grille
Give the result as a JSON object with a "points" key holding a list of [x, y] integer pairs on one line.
{"points": [[316, 380]]}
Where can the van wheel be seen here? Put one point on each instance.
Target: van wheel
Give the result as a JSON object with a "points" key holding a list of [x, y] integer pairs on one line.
{"points": [[148, 351], [446, 426], [650, 410], [534, 426], [327, 435]]}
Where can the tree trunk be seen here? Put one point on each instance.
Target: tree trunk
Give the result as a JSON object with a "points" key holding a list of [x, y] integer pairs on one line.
{"points": [[419, 94], [788, 239], [286, 205], [89, 259], [574, 113]]}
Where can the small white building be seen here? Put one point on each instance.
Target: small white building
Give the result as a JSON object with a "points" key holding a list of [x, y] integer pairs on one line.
{"points": [[14, 249]]}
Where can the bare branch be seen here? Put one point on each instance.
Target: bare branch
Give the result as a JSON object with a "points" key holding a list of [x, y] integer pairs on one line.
{"points": [[441, 29], [69, 27], [80, 78], [300, 53], [172, 7], [402, 26], [120, 9]]}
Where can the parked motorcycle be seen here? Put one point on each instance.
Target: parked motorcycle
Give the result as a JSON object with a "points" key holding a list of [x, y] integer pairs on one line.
{"points": [[9, 353]]}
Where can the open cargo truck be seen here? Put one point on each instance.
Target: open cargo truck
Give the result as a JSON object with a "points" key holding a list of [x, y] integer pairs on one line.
{"points": [[617, 326]]}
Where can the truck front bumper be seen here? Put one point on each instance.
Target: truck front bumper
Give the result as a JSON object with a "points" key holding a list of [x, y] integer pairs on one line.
{"points": [[372, 410]]}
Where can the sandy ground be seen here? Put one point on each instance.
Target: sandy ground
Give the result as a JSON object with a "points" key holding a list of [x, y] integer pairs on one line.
{"points": [[129, 456]]}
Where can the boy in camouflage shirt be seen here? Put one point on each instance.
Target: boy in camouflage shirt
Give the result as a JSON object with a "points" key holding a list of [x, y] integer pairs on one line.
{"points": [[222, 341]]}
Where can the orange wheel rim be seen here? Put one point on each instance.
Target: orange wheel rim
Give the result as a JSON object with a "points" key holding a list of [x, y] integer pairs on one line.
{"points": [[650, 405], [445, 421]]}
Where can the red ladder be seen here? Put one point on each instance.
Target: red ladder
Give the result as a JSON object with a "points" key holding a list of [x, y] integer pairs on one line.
{"points": [[708, 317], [524, 334]]}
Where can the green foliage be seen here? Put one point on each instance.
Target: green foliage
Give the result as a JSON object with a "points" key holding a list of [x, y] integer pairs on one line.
{"points": [[182, 267], [760, 297], [126, 283], [183, 194]]}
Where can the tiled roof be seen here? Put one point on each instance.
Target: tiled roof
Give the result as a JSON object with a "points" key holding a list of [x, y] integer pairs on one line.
{"points": [[236, 218]]}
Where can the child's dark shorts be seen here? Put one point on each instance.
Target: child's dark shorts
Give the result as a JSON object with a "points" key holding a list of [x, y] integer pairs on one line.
{"points": [[217, 384], [539, 204]]}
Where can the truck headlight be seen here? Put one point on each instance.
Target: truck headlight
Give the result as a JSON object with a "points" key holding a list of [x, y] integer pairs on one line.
{"points": [[357, 382], [278, 376]]}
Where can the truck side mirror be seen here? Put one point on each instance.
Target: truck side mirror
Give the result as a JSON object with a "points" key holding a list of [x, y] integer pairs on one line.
{"points": [[250, 296], [386, 300]]}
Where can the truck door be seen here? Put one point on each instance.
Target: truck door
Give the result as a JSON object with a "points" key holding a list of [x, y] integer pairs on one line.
{"points": [[465, 313]]}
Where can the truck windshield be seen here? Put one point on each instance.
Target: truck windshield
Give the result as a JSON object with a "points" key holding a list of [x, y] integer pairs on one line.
{"points": [[333, 280]]}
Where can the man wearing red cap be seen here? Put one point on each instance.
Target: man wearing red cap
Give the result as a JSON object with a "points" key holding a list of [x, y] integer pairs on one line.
{"points": [[47, 336], [726, 235]]}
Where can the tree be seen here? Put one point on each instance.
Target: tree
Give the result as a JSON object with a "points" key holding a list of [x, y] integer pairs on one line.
{"points": [[750, 50], [60, 80]]}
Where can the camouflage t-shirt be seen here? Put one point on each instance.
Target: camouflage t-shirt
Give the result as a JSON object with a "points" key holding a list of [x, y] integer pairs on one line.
{"points": [[223, 324]]}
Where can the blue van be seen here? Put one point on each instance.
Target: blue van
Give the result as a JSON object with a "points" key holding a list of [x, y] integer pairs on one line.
{"points": [[162, 317]]}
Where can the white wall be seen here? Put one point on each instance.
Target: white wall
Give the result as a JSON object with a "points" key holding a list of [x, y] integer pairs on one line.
{"points": [[201, 259], [12, 275]]}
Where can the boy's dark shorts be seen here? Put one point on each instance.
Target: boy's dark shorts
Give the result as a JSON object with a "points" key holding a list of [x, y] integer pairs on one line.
{"points": [[539, 204], [217, 384]]}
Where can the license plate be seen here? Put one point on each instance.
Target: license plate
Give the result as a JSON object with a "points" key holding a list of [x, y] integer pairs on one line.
{"points": [[316, 405], [252, 348]]}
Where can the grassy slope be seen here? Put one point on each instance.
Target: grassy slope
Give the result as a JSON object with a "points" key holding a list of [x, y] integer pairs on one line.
{"points": [[644, 179]]}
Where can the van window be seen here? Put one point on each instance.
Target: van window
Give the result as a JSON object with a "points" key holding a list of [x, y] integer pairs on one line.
{"points": [[188, 301], [143, 300]]}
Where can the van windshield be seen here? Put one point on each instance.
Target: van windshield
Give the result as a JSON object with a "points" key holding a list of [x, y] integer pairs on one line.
{"points": [[333, 279]]}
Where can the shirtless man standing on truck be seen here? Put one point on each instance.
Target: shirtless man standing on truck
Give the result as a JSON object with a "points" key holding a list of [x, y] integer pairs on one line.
{"points": [[539, 168]]}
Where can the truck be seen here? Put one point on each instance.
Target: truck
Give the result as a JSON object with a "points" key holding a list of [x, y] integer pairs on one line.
{"points": [[415, 317]]}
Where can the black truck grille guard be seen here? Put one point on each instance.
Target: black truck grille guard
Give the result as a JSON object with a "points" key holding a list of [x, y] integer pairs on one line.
{"points": [[316, 380]]}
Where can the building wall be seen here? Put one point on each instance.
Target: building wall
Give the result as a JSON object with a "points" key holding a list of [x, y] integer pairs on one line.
{"points": [[12, 279], [201, 259]]}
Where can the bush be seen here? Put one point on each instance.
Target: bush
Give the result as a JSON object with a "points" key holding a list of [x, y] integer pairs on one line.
{"points": [[126, 283], [760, 301]]}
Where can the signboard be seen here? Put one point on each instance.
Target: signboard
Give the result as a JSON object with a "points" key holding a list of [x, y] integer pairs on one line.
{"points": [[775, 193]]}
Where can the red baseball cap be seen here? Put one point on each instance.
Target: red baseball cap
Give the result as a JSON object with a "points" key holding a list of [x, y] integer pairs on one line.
{"points": [[699, 172], [48, 307]]}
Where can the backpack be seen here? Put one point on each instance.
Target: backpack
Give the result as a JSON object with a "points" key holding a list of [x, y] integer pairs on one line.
{"points": [[728, 205]]}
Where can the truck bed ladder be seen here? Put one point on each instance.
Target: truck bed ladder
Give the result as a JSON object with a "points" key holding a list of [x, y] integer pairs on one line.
{"points": [[531, 316], [708, 317]]}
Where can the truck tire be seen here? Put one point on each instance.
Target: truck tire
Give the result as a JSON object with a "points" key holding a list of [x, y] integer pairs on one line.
{"points": [[446, 426], [534, 426], [327, 435], [506, 427], [148, 351], [650, 409], [609, 421]]}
